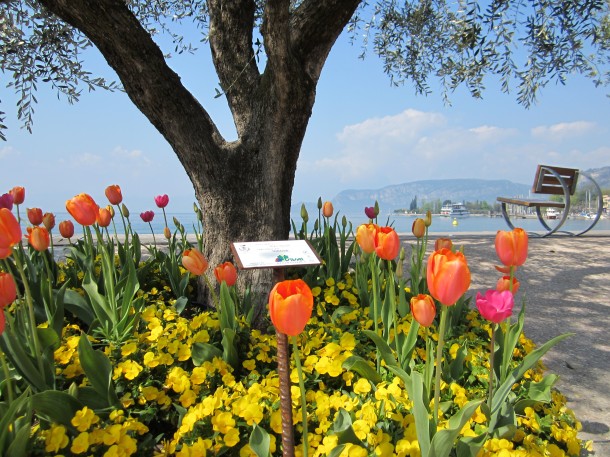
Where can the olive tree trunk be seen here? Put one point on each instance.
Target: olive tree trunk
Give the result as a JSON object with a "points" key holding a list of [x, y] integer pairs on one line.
{"points": [[244, 187]]}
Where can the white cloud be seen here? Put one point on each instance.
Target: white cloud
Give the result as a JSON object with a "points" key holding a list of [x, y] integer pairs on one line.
{"points": [[563, 130], [7, 151], [135, 155]]}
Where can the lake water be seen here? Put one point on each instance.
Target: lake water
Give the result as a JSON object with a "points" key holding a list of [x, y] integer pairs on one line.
{"points": [[402, 223]]}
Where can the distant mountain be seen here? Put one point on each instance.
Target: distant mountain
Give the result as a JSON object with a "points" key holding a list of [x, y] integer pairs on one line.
{"points": [[400, 195], [601, 176]]}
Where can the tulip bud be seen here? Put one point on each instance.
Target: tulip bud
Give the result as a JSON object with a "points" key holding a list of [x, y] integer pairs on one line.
{"points": [[399, 265], [38, 237], [319, 202], [198, 212], [316, 224], [344, 221], [428, 218], [376, 208], [124, 210], [35, 216], [304, 214], [328, 209], [66, 229], [18, 194], [113, 194], [48, 220], [167, 233], [419, 228], [110, 208]]}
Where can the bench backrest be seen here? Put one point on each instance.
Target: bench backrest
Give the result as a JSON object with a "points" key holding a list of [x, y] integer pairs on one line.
{"points": [[546, 182]]}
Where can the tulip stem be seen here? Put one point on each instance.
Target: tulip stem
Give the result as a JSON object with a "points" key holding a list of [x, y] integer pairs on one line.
{"points": [[491, 363], [439, 357], [7, 376], [375, 302], [297, 361]]}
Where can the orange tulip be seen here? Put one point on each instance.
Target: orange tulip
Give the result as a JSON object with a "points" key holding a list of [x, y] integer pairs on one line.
{"points": [[418, 228], [18, 194], [2, 321], [113, 194], [8, 289], [48, 220], [226, 272], [423, 309], [66, 229], [103, 217], [35, 216], [10, 230], [39, 239], [194, 261], [504, 284], [5, 252], [511, 247], [167, 233], [290, 306], [83, 209], [365, 237], [327, 209], [387, 243], [448, 276], [443, 243], [428, 219]]}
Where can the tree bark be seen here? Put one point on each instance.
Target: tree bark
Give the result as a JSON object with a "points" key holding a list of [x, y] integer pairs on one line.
{"points": [[244, 187]]}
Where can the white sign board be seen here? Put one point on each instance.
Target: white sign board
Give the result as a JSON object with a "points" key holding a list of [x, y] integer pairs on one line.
{"points": [[274, 254]]}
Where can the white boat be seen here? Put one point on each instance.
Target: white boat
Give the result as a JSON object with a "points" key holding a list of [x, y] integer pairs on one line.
{"points": [[455, 210], [552, 213]]}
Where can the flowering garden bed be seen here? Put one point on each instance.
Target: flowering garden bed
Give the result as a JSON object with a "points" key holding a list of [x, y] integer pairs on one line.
{"points": [[108, 354]]}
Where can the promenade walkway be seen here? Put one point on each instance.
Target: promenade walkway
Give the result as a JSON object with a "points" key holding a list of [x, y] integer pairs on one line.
{"points": [[566, 282]]}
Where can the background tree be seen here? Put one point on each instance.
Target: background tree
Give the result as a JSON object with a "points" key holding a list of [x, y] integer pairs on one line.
{"points": [[268, 56]]}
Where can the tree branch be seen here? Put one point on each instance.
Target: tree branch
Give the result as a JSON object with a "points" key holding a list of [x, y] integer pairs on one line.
{"points": [[231, 26], [315, 26], [148, 81]]}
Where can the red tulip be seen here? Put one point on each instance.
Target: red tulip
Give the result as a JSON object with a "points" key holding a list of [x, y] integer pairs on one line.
{"points": [[2, 321], [370, 212], [495, 306], [365, 237], [5, 252], [327, 209], [8, 289], [39, 239], [511, 247], [226, 272], [104, 217], [10, 230], [6, 201], [423, 309], [18, 194], [161, 200], [194, 261], [83, 209], [290, 306], [113, 194], [35, 216], [48, 220], [418, 228], [443, 243], [66, 229], [147, 216], [387, 243], [448, 276]]}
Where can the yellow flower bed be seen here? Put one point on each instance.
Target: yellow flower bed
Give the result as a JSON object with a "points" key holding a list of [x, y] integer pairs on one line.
{"points": [[174, 406]]}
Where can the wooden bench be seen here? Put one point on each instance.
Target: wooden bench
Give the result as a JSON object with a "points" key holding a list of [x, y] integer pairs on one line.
{"points": [[550, 180]]}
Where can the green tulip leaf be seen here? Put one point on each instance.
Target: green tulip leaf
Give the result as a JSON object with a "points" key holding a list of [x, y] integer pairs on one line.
{"points": [[383, 348], [360, 366], [98, 370], [204, 352], [342, 427], [260, 442], [58, 406], [443, 440]]}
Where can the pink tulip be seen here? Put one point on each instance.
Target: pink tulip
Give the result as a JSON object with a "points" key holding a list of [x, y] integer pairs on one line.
{"points": [[161, 200], [147, 216], [495, 306], [6, 201], [370, 212]]}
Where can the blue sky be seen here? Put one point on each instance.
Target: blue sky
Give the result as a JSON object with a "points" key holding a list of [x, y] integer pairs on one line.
{"points": [[363, 134]]}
